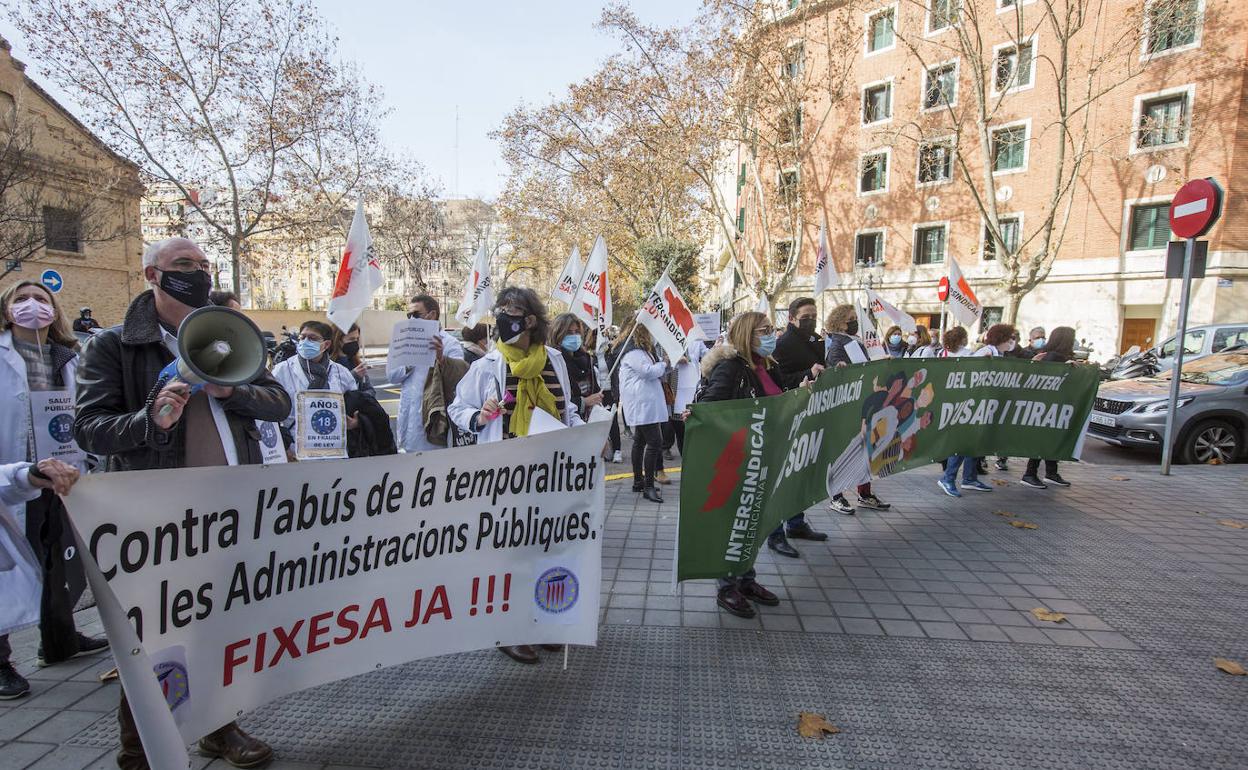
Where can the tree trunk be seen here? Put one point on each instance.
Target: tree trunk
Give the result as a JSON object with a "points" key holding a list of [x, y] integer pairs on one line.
{"points": [[236, 273]]}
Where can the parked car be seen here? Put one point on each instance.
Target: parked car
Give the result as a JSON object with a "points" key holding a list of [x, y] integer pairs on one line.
{"points": [[1212, 419], [1202, 341]]}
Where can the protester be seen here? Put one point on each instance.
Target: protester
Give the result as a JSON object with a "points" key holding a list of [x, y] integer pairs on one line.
{"points": [[412, 394], [345, 350], [313, 369], [894, 343], [919, 343], [38, 353], [222, 298], [742, 367], [496, 399], [608, 374], [798, 351], [1059, 349], [121, 415], [687, 375], [645, 408], [476, 342], [954, 344], [84, 323], [567, 335], [373, 436], [1036, 339], [844, 349], [997, 342], [1023, 352]]}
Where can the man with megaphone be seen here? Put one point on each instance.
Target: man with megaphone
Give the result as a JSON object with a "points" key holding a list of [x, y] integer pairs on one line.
{"points": [[178, 385]]}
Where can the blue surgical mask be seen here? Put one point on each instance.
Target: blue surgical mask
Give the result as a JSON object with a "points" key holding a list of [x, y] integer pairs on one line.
{"points": [[1038, 343], [766, 345], [308, 349], [894, 340], [571, 342]]}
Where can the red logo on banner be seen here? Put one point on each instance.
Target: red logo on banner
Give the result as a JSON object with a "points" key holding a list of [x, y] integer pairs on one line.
{"points": [[727, 472], [678, 310]]}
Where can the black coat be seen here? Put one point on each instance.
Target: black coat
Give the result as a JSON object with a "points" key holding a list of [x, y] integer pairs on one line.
{"points": [[726, 376], [796, 352], [836, 351], [117, 374]]}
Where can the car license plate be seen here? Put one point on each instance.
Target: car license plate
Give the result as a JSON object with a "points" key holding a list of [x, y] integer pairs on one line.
{"points": [[1102, 419]]}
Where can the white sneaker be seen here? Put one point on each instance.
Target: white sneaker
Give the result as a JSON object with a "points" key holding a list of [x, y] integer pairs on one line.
{"points": [[617, 457], [841, 505]]}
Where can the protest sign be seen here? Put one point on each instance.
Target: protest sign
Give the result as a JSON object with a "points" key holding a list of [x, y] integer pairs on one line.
{"points": [[709, 323], [320, 425], [411, 344], [52, 418], [272, 450], [751, 463], [247, 583]]}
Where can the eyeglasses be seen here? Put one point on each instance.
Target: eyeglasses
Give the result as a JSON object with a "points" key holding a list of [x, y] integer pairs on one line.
{"points": [[765, 330], [414, 314]]}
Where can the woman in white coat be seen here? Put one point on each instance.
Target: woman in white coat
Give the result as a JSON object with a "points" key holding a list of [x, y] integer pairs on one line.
{"points": [[313, 369], [642, 369], [498, 396], [38, 353]]}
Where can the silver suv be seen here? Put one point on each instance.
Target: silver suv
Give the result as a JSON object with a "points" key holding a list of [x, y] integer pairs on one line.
{"points": [[1201, 341], [1212, 419]]}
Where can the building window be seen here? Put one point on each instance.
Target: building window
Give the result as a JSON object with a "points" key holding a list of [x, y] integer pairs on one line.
{"points": [[991, 317], [794, 61], [1011, 229], [874, 176], [62, 229], [741, 179], [877, 103], [929, 245], [942, 14], [793, 4], [1171, 24], [1163, 121], [790, 127], [1009, 149], [781, 252], [1150, 226], [1014, 67], [788, 186], [935, 162], [869, 249], [881, 32], [741, 220], [940, 87]]}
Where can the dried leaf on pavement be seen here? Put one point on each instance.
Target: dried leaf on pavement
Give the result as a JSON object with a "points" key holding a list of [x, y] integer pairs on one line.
{"points": [[1022, 524], [814, 725], [1043, 613], [1230, 667], [1233, 524], [1001, 482], [1119, 478], [1006, 514]]}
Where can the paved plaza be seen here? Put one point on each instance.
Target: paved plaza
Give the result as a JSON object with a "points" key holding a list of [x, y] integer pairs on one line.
{"points": [[910, 630]]}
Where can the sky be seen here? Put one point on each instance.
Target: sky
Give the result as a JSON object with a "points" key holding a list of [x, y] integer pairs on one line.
{"points": [[484, 58]]}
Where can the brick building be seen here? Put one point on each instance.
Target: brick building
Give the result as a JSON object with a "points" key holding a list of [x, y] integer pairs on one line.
{"points": [[82, 197], [946, 104]]}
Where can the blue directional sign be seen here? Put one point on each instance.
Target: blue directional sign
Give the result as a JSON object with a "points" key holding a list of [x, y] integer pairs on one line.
{"points": [[52, 280]]}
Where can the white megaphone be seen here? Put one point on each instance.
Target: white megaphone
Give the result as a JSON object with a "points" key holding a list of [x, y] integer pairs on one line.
{"points": [[218, 346]]}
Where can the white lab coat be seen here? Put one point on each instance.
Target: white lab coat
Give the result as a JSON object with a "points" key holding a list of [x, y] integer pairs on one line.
{"points": [[411, 426], [15, 408], [20, 576], [641, 392], [295, 380], [987, 351], [687, 376], [486, 379]]}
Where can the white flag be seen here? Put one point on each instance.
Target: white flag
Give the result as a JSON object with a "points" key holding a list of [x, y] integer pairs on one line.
{"points": [[963, 304], [826, 276], [880, 306], [478, 297], [592, 303], [669, 319], [869, 335], [358, 276], [565, 288], [764, 306]]}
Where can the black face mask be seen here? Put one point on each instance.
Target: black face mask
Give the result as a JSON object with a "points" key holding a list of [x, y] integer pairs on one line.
{"points": [[851, 328], [349, 349], [807, 325], [509, 326], [191, 287]]}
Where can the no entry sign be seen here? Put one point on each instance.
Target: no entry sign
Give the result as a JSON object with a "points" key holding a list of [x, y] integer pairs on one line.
{"points": [[1195, 208], [942, 289]]}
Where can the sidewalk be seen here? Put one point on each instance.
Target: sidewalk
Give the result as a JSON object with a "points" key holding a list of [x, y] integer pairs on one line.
{"points": [[910, 630]]}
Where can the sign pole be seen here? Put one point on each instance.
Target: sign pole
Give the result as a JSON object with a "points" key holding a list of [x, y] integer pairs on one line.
{"points": [[1176, 375]]}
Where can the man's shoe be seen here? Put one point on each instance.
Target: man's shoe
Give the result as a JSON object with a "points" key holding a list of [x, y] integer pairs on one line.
{"points": [[617, 457], [976, 485], [780, 545], [1034, 482], [1057, 479], [839, 504], [129, 760], [873, 502], [949, 488], [521, 653], [235, 746], [751, 590], [1001, 464], [12, 684], [638, 486], [804, 531], [731, 599], [551, 647], [652, 494], [87, 645]]}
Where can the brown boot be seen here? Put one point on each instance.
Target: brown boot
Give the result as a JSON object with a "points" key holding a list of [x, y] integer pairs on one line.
{"points": [[131, 756], [235, 746]]}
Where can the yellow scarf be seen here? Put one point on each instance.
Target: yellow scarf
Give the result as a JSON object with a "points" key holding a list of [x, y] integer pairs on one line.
{"points": [[531, 391]]}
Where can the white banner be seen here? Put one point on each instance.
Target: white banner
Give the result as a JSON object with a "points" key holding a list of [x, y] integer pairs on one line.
{"points": [[963, 304], [52, 417], [869, 335], [826, 276], [668, 319], [359, 275], [592, 303], [247, 583], [478, 299], [882, 307], [569, 279]]}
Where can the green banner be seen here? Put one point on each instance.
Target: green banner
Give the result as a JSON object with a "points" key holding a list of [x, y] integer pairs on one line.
{"points": [[750, 464]]}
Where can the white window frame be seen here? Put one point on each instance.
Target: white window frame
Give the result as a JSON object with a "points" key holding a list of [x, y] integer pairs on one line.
{"points": [[866, 26], [957, 86], [1124, 243], [1002, 8], [952, 141], [914, 241], [983, 240], [1032, 40], [927, 19], [992, 130], [892, 101], [1145, 23], [883, 233], [1137, 106], [887, 152]]}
